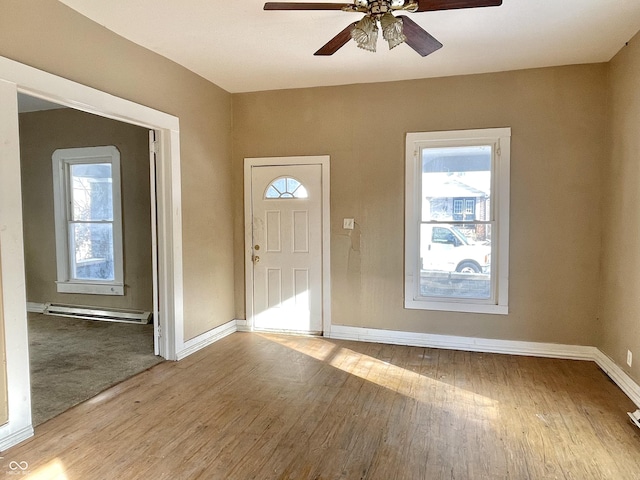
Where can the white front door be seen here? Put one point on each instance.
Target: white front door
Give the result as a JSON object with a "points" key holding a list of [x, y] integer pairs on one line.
{"points": [[286, 221]]}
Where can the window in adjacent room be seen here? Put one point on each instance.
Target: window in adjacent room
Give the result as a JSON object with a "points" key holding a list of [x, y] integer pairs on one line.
{"points": [[88, 220], [457, 220]]}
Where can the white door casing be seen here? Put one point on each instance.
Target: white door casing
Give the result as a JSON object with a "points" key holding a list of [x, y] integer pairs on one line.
{"points": [[287, 250], [153, 167], [15, 78], [286, 245], [14, 300]]}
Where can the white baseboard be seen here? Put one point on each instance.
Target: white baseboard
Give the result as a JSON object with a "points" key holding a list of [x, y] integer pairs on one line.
{"points": [[619, 376], [201, 341], [470, 344], [15, 438], [243, 326], [36, 307], [510, 347]]}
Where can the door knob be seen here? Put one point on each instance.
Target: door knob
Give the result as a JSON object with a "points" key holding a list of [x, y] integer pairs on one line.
{"points": [[256, 259]]}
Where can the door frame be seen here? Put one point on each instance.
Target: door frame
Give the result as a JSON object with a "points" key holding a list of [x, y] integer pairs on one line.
{"points": [[323, 161], [16, 77]]}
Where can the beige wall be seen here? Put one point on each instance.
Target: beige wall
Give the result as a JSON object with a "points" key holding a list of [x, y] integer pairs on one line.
{"points": [[41, 133], [620, 312], [558, 118], [48, 35]]}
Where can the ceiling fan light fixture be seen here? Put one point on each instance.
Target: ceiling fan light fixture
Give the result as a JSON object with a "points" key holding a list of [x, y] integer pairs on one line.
{"points": [[365, 33], [395, 30], [392, 30]]}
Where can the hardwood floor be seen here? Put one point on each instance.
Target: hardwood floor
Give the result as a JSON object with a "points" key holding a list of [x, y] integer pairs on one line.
{"points": [[256, 406]]}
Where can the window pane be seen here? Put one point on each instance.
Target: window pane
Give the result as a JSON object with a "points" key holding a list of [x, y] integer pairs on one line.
{"points": [[91, 192], [92, 246], [292, 184], [456, 184], [280, 184], [286, 187], [455, 260], [470, 206]]}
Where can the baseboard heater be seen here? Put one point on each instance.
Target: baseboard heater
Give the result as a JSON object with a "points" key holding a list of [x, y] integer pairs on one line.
{"points": [[101, 313]]}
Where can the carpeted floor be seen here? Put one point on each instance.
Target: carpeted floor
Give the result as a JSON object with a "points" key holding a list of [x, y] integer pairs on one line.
{"points": [[73, 360]]}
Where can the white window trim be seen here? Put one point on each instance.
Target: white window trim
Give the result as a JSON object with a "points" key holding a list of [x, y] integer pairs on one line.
{"points": [[61, 160], [500, 193]]}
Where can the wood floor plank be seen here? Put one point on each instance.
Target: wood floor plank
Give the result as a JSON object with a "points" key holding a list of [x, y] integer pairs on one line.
{"points": [[285, 407]]}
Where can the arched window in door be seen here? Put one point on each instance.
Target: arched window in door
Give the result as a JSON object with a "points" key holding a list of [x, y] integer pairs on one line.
{"points": [[285, 187]]}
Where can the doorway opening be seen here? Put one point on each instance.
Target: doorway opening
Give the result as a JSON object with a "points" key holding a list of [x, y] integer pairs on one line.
{"points": [[102, 228], [19, 78]]}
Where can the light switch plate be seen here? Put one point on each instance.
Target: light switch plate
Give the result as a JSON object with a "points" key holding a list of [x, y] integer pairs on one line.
{"points": [[348, 223]]}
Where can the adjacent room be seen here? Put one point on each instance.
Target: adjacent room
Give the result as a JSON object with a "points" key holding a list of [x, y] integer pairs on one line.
{"points": [[76, 348], [413, 262]]}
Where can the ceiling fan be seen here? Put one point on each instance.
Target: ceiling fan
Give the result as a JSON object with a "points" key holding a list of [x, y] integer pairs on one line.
{"points": [[395, 30]]}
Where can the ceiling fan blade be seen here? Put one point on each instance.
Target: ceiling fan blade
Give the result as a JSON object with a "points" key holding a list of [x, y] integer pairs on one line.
{"points": [[337, 42], [431, 5], [305, 6], [418, 38]]}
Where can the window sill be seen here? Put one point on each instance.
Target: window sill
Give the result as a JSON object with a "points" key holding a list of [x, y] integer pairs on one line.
{"points": [[457, 307], [89, 288]]}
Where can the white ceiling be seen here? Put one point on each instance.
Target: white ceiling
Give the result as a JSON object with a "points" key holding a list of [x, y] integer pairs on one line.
{"points": [[241, 48]]}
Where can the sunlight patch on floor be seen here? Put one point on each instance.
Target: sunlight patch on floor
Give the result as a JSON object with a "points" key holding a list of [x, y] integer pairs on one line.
{"points": [[384, 374], [54, 470]]}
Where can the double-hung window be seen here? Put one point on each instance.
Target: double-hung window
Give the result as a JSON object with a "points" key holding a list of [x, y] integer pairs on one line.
{"points": [[457, 220], [88, 220]]}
